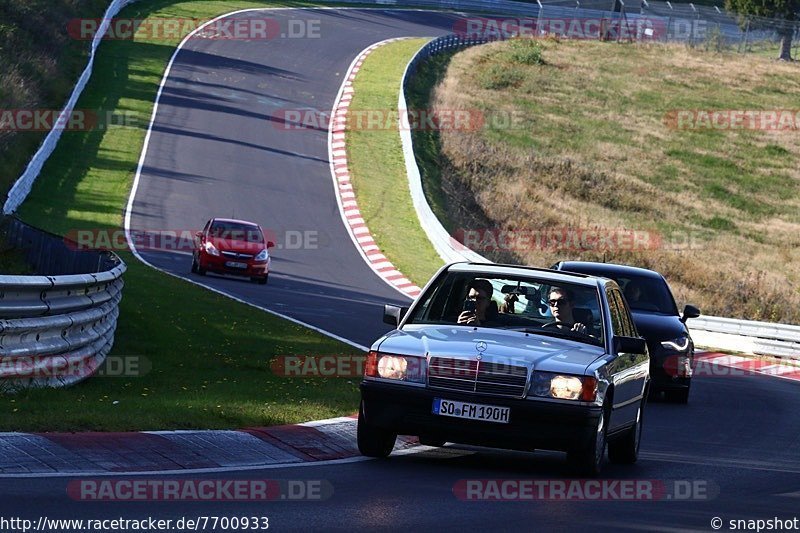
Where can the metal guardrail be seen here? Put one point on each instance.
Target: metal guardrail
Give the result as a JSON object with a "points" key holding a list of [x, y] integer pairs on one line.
{"points": [[763, 337], [56, 330]]}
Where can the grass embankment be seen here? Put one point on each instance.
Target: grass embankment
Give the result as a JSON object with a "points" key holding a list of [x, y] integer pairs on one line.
{"points": [[592, 145], [377, 166], [39, 65], [210, 356]]}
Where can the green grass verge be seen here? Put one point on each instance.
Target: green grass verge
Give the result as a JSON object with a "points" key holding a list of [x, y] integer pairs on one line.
{"points": [[205, 373], [206, 366], [377, 166]]}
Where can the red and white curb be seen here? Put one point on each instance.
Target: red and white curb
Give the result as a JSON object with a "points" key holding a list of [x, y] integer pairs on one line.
{"points": [[345, 196], [319, 442]]}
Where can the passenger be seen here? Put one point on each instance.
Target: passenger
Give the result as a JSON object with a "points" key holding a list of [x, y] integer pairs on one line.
{"points": [[633, 292], [485, 313]]}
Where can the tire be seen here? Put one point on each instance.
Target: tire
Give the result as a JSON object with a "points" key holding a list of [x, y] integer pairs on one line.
{"points": [[588, 460], [678, 396], [435, 443], [197, 268], [372, 441], [194, 265], [625, 450]]}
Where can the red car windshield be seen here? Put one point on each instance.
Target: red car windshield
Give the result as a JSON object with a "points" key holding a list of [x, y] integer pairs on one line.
{"points": [[236, 232]]}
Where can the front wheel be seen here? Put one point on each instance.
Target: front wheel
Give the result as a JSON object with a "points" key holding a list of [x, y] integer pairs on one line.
{"points": [[625, 450], [588, 460], [196, 268], [373, 441]]}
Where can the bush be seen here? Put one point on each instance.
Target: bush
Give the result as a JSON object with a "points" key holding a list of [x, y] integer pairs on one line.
{"points": [[527, 52]]}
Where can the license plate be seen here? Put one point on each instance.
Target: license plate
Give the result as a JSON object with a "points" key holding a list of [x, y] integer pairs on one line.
{"points": [[471, 411], [235, 264]]}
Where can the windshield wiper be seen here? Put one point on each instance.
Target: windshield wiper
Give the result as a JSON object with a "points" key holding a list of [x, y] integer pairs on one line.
{"points": [[561, 334]]}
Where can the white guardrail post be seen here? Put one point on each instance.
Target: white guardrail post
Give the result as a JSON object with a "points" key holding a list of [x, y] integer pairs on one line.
{"points": [[763, 338], [57, 330]]}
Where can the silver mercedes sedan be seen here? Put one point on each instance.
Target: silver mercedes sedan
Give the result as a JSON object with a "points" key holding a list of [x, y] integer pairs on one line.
{"points": [[509, 357]]}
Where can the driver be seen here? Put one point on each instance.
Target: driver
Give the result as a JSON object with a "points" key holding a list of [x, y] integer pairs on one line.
{"points": [[560, 302]]}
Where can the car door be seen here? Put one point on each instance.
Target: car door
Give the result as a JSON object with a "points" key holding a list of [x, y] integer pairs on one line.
{"points": [[629, 370]]}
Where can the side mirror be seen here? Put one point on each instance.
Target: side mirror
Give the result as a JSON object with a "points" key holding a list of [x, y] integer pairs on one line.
{"points": [[270, 244], [635, 345], [199, 234], [392, 314], [689, 311]]}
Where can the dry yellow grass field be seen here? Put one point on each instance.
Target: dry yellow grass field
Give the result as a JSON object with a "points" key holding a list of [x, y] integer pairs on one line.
{"points": [[593, 144]]}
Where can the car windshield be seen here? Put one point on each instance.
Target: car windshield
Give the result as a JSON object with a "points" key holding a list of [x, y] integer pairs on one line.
{"points": [[235, 231], [520, 303], [647, 294]]}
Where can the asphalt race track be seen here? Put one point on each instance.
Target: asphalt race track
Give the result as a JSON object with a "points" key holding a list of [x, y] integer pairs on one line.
{"points": [[736, 441], [218, 148]]}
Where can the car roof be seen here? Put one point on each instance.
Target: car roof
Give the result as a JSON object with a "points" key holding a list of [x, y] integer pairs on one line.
{"points": [[519, 270], [234, 220], [607, 269]]}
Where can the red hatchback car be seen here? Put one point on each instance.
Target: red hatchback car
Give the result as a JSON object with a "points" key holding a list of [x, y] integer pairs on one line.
{"points": [[228, 246]]}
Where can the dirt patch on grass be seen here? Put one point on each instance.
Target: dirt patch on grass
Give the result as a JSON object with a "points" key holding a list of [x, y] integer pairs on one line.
{"points": [[594, 144]]}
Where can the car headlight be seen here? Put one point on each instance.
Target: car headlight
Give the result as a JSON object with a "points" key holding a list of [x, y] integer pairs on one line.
{"points": [[392, 366], [564, 386], [211, 249], [681, 344], [262, 255]]}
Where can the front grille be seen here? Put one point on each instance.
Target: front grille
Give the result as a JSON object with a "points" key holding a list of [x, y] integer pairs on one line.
{"points": [[235, 255], [469, 375]]}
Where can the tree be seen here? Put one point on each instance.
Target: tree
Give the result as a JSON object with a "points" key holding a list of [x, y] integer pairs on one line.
{"points": [[784, 10]]}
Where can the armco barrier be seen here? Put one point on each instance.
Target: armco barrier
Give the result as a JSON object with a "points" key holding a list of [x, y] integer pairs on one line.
{"points": [[56, 330], [447, 247], [708, 331]]}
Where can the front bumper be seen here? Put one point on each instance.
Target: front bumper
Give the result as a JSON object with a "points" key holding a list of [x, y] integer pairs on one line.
{"points": [[407, 410], [219, 265], [664, 370]]}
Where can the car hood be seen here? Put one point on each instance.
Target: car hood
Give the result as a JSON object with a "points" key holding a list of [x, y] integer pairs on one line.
{"points": [[229, 245], [656, 328], [511, 347]]}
